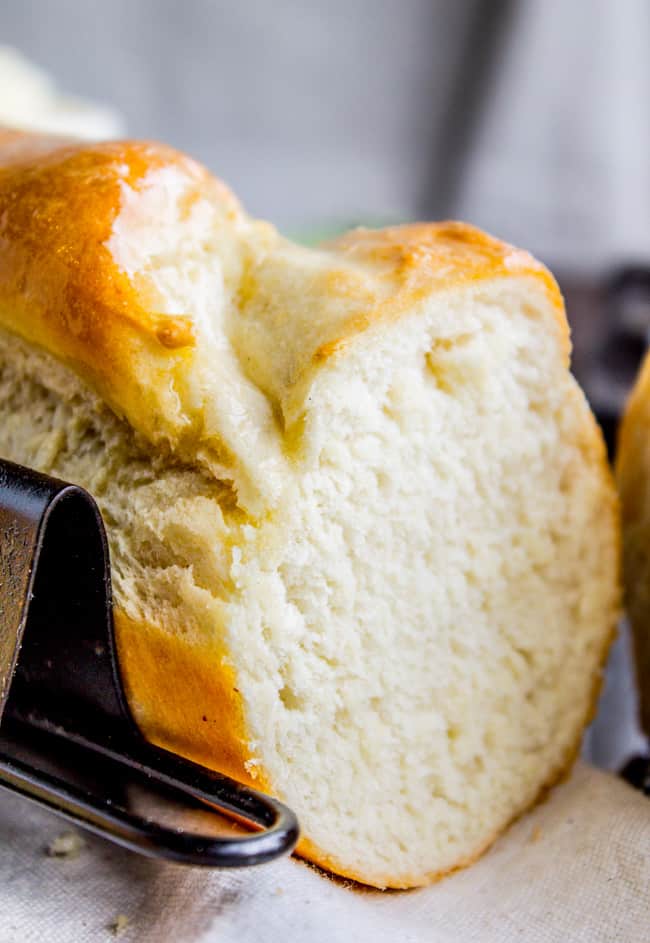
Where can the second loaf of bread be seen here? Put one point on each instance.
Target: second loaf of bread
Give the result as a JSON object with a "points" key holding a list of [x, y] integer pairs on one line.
{"points": [[363, 536]]}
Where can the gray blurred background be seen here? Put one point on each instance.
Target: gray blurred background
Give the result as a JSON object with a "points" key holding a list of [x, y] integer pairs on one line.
{"points": [[530, 118]]}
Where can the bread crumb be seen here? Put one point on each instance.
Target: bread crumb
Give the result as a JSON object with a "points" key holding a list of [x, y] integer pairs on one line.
{"points": [[535, 835], [279, 891], [119, 924], [66, 845]]}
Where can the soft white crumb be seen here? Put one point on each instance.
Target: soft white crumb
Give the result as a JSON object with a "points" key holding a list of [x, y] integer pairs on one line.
{"points": [[66, 845]]}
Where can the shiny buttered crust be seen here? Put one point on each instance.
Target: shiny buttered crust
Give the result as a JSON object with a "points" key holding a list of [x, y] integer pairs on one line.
{"points": [[72, 279], [633, 478], [83, 278]]}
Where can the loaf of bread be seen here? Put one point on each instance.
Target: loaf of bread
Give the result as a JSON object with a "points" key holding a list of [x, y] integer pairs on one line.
{"points": [[633, 475], [364, 539]]}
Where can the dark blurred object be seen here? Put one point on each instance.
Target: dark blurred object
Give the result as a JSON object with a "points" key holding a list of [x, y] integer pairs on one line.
{"points": [[637, 773], [485, 30], [67, 737], [610, 325]]}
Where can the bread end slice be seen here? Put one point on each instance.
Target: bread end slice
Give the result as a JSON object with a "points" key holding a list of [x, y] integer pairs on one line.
{"points": [[364, 538]]}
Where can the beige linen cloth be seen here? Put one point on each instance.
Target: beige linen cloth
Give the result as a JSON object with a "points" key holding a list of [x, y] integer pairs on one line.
{"points": [[576, 869]]}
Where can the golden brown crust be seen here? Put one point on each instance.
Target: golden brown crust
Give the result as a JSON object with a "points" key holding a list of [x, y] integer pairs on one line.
{"points": [[61, 287], [633, 478], [59, 201], [184, 697], [435, 256], [424, 258]]}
